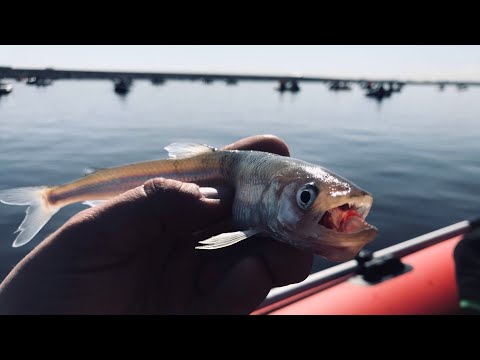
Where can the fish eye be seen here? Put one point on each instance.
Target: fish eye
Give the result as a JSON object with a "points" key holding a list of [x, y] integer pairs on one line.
{"points": [[307, 195]]}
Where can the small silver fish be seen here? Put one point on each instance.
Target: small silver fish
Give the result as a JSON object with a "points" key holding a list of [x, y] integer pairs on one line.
{"points": [[287, 199]]}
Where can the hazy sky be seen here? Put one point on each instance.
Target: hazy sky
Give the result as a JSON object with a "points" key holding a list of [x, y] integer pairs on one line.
{"points": [[399, 61]]}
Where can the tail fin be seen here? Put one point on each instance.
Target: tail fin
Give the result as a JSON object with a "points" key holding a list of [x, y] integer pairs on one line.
{"points": [[38, 211]]}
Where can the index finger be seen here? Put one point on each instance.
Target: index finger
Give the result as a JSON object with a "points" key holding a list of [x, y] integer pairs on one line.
{"points": [[266, 143]]}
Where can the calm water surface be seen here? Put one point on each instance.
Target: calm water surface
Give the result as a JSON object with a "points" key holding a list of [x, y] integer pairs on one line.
{"points": [[418, 152]]}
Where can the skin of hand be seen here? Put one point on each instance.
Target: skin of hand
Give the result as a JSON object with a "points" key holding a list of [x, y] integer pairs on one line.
{"points": [[135, 254]]}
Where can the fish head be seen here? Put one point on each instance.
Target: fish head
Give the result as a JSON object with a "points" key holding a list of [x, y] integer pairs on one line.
{"points": [[320, 211]]}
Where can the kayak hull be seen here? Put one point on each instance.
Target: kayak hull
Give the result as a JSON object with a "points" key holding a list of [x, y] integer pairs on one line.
{"points": [[428, 288]]}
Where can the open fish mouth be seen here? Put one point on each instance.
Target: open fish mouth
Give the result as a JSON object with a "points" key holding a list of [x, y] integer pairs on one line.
{"points": [[348, 218]]}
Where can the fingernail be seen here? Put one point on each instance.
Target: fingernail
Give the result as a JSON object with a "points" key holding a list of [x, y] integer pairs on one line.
{"points": [[209, 192]]}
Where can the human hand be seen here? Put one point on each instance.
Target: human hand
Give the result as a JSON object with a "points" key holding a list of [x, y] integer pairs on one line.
{"points": [[135, 254]]}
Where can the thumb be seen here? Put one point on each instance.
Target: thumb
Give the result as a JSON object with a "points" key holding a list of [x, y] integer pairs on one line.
{"points": [[132, 220], [182, 206]]}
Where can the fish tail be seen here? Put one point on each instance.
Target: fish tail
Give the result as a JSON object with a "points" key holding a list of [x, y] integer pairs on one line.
{"points": [[38, 213]]}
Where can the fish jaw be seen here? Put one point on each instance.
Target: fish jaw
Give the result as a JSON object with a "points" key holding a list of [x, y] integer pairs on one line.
{"points": [[334, 227], [341, 230], [347, 214], [346, 247]]}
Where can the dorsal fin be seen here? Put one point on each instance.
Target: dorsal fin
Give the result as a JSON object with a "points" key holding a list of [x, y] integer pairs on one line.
{"points": [[184, 150], [93, 203]]}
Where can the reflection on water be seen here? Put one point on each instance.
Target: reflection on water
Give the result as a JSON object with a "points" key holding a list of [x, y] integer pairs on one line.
{"points": [[418, 153]]}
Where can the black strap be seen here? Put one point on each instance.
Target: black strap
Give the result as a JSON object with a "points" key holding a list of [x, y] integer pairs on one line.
{"points": [[475, 223], [467, 266]]}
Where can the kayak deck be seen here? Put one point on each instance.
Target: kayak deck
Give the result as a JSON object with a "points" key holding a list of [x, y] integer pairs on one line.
{"points": [[427, 287]]}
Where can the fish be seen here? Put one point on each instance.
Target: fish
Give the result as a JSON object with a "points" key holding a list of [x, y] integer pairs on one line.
{"points": [[287, 199]]}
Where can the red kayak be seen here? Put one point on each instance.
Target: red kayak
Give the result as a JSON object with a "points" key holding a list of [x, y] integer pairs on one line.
{"points": [[414, 277]]}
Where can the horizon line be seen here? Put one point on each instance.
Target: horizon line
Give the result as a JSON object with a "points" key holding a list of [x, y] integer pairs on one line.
{"points": [[293, 74]]}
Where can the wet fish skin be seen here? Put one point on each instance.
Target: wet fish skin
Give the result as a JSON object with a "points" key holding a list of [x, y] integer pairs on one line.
{"points": [[266, 185], [265, 200]]}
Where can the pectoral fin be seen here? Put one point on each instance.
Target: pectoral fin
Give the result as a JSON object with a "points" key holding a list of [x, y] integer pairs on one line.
{"points": [[226, 239]]}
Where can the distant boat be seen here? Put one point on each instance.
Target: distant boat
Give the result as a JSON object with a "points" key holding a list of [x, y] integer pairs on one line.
{"points": [[122, 86], [5, 88], [294, 86], [207, 80], [368, 85], [379, 93], [231, 81], [462, 86], [339, 86], [32, 80], [288, 85], [158, 80]]}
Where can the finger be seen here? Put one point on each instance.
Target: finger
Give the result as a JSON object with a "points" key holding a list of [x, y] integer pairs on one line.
{"points": [[129, 221], [287, 265], [183, 205], [267, 143], [218, 192], [241, 290]]}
